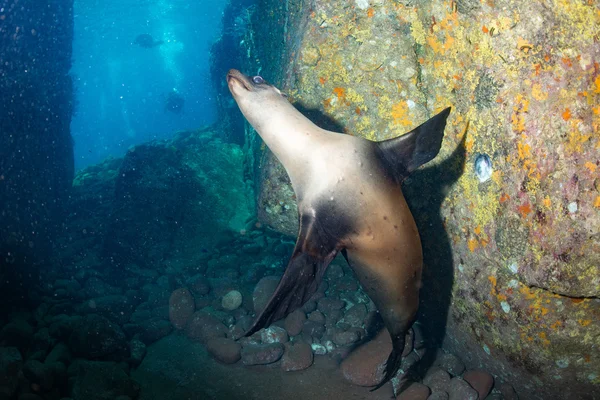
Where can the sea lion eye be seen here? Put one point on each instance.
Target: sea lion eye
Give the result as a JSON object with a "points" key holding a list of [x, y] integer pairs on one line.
{"points": [[258, 79]]}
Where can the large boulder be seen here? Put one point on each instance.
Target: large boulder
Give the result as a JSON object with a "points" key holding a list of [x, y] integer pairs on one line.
{"points": [[170, 199], [509, 211]]}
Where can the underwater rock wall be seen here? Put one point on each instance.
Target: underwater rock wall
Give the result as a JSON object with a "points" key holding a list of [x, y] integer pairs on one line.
{"points": [[509, 212], [36, 150]]}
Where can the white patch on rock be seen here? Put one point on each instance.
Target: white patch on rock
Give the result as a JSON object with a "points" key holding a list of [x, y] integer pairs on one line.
{"points": [[362, 4], [505, 306], [318, 349], [573, 207], [486, 349]]}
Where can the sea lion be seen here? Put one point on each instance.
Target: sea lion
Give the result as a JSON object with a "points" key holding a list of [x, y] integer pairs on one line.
{"points": [[350, 200]]}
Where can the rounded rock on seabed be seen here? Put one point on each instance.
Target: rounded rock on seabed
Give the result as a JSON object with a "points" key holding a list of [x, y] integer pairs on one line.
{"points": [[438, 396], [181, 307], [458, 389], [364, 366], [203, 326], [415, 391], [450, 363], [38, 373], [294, 321], [297, 356], [261, 354], [274, 334], [224, 350], [345, 338], [479, 380], [437, 379], [232, 300], [263, 291]]}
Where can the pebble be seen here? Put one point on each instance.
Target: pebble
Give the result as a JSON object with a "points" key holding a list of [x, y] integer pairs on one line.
{"points": [[416, 391], [481, 381], [224, 350], [437, 379], [203, 326], [297, 356], [458, 389], [263, 291], [294, 322], [260, 354], [274, 334], [450, 363], [181, 307]]}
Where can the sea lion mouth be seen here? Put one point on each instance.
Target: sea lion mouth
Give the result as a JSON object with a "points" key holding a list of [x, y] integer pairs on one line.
{"points": [[237, 76]]}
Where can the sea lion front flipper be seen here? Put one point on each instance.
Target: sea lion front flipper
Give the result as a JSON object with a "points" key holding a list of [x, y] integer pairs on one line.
{"points": [[314, 250], [403, 154]]}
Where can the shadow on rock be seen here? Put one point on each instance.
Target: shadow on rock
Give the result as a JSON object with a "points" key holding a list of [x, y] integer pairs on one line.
{"points": [[425, 191]]}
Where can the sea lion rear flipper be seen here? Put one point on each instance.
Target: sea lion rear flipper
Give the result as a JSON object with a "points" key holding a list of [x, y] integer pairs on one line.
{"points": [[314, 250], [404, 154], [396, 303]]}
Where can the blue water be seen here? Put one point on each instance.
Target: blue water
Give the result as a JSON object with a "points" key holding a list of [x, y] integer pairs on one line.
{"points": [[121, 88]]}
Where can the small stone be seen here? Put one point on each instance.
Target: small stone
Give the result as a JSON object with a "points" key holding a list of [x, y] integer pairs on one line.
{"points": [[60, 353], [97, 337], [313, 329], [274, 334], [181, 307], [294, 322], [155, 329], [508, 392], [309, 306], [335, 272], [203, 326], [319, 349], [328, 304], [345, 338], [481, 381], [263, 291], [297, 356], [38, 373], [317, 316], [364, 366], [260, 354], [459, 389], [451, 363], [437, 379], [232, 300], [199, 285], [416, 391], [438, 396], [224, 350], [356, 315], [137, 351]]}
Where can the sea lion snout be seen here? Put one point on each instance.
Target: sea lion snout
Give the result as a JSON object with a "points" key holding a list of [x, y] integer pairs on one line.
{"points": [[235, 77]]}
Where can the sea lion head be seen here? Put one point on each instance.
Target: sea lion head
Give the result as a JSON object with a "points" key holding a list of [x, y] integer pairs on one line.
{"points": [[255, 96]]}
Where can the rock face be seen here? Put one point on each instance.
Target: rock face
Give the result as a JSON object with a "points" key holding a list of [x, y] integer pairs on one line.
{"points": [[36, 150], [515, 242]]}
